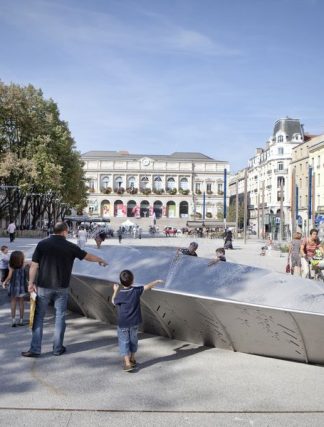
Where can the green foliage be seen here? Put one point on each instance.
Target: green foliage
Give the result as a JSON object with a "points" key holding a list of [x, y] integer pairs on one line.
{"points": [[183, 191], [284, 248], [38, 155], [172, 191], [220, 216], [231, 214]]}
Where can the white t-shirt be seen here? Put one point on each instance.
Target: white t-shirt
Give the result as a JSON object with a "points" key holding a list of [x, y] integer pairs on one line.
{"points": [[82, 235], [4, 261], [11, 228]]}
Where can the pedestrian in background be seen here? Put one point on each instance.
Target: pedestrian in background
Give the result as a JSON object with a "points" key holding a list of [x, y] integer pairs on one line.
{"points": [[294, 255], [120, 235], [100, 236], [228, 239], [12, 230], [82, 237]]}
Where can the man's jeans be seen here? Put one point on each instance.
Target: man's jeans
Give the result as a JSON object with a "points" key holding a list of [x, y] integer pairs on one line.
{"points": [[44, 296]]}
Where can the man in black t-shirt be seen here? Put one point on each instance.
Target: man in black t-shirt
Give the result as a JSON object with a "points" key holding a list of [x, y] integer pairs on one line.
{"points": [[53, 261]]}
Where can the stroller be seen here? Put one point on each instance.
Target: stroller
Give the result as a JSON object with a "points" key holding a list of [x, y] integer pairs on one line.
{"points": [[316, 266]]}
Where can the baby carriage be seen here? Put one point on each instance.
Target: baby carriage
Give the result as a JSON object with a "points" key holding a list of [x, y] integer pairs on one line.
{"points": [[316, 266]]}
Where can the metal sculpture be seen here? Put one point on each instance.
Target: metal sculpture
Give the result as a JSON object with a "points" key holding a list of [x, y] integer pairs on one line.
{"points": [[229, 306]]}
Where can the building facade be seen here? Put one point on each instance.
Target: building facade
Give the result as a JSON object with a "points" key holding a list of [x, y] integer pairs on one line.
{"points": [[299, 168], [180, 185], [316, 160], [268, 178]]}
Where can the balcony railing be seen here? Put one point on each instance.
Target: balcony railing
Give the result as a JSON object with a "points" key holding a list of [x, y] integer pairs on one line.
{"points": [[146, 191], [281, 171]]}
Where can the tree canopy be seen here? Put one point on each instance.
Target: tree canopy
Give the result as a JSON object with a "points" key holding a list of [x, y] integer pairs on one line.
{"points": [[40, 168]]}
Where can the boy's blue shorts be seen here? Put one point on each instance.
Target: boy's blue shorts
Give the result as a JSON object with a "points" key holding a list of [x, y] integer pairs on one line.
{"points": [[127, 340]]}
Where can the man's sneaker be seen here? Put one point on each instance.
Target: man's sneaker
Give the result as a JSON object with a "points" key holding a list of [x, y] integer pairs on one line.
{"points": [[128, 368], [133, 362], [21, 322], [13, 324], [62, 351]]}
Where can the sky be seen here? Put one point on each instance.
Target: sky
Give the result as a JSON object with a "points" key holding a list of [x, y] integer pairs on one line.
{"points": [[159, 76]]}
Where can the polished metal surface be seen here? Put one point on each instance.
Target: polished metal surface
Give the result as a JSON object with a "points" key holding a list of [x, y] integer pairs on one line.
{"points": [[229, 306]]}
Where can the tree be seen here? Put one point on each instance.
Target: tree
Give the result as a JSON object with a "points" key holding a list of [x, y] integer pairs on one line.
{"points": [[40, 169], [231, 213]]}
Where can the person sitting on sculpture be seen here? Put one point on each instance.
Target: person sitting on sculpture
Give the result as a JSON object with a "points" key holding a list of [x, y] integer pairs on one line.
{"points": [[191, 250], [220, 256]]}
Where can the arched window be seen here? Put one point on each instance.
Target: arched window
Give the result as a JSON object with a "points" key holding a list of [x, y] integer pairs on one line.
{"points": [[171, 184], [184, 185], [157, 183], [131, 182], [105, 208], [105, 182], [184, 209], [171, 209], [144, 182], [131, 208], [158, 209], [92, 184], [145, 209], [119, 208], [119, 182]]}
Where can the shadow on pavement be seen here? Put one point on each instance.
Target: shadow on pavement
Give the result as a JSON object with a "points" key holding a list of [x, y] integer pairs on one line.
{"points": [[180, 352]]}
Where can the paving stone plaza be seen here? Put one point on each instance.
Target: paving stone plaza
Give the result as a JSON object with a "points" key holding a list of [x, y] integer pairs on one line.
{"points": [[177, 383]]}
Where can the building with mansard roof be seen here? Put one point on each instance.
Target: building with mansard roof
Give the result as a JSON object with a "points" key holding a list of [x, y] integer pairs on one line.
{"points": [[268, 178], [179, 185]]}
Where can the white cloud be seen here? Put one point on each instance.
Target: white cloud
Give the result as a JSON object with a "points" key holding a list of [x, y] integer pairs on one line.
{"points": [[75, 26], [194, 42]]}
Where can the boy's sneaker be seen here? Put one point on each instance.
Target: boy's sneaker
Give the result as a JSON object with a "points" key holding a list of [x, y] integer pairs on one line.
{"points": [[128, 368]]}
